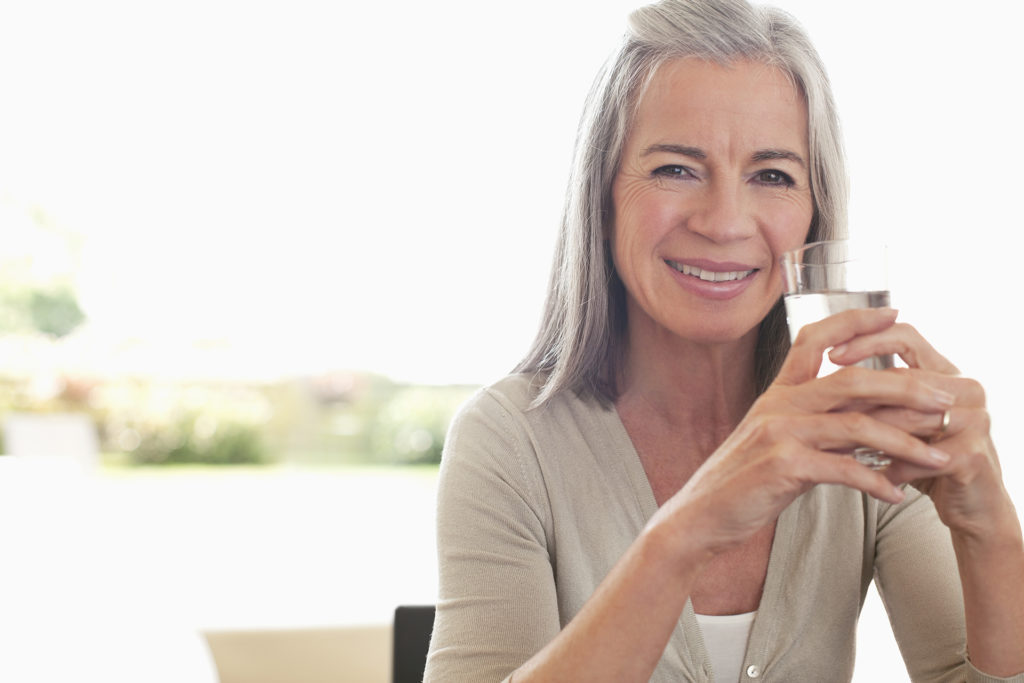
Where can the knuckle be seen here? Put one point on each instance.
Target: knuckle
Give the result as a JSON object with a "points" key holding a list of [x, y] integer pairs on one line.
{"points": [[845, 379], [911, 384], [782, 428], [983, 421], [803, 335], [763, 426], [976, 457], [785, 461], [806, 338], [921, 422], [907, 418], [856, 423], [973, 391]]}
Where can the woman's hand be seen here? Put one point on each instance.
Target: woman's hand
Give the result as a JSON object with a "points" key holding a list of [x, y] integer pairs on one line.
{"points": [[968, 492], [799, 432]]}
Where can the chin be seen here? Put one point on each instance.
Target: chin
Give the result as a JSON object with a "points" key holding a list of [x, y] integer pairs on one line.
{"points": [[711, 334]]}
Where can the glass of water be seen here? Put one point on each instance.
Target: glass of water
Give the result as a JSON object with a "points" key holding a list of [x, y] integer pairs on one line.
{"points": [[825, 278]]}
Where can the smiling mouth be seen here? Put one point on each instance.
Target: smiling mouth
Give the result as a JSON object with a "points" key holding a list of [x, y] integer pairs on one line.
{"points": [[710, 275]]}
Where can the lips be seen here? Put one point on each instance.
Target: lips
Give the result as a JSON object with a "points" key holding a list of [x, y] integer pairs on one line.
{"points": [[719, 274], [713, 280]]}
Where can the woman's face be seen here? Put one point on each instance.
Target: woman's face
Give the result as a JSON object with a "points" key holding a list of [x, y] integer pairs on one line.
{"points": [[713, 186]]}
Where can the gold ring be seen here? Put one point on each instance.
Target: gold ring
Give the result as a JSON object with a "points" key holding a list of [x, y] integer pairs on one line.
{"points": [[943, 426]]}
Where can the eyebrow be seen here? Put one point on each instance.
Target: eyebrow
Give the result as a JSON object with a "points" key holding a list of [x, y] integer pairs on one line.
{"points": [[770, 154], [698, 153], [694, 152]]}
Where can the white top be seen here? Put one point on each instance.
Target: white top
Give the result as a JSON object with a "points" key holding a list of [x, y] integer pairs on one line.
{"points": [[725, 640]]}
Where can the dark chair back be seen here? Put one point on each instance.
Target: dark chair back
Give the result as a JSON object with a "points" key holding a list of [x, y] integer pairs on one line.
{"points": [[413, 626]]}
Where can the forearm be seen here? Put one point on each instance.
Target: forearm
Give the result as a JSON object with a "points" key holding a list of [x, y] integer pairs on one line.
{"points": [[622, 631], [992, 575]]}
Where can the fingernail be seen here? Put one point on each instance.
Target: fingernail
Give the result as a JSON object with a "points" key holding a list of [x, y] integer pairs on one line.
{"points": [[944, 398], [898, 494], [938, 457], [839, 350]]}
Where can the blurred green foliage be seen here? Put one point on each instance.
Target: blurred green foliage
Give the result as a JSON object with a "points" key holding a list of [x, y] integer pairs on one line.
{"points": [[155, 423], [52, 310], [410, 427], [336, 418], [196, 441]]}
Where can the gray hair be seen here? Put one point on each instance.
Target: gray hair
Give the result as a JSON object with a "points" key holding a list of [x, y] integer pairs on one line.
{"points": [[580, 342]]}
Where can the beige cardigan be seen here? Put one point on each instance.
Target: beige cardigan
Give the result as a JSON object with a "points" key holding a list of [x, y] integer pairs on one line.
{"points": [[535, 506]]}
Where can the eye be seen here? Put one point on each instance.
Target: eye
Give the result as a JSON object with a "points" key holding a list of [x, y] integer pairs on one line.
{"points": [[774, 177], [674, 171]]}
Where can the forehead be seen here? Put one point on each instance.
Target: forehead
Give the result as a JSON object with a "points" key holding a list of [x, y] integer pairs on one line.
{"points": [[750, 102]]}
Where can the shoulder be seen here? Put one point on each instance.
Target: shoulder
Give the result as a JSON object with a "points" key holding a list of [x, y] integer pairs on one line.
{"points": [[511, 402], [516, 393], [490, 455], [493, 409], [502, 422], [492, 424]]}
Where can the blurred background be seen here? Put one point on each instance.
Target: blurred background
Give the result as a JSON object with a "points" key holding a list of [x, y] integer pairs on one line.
{"points": [[267, 248]]}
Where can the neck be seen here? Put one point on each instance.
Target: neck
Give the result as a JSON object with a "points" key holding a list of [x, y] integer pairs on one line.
{"points": [[704, 388]]}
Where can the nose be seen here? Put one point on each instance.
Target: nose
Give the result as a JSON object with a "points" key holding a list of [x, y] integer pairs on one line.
{"points": [[722, 214]]}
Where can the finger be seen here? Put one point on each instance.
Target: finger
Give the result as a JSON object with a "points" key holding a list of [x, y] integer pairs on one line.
{"points": [[955, 432], [970, 450], [944, 423], [927, 426], [968, 392], [861, 389], [804, 358], [960, 422], [900, 472], [823, 467], [900, 339], [844, 432]]}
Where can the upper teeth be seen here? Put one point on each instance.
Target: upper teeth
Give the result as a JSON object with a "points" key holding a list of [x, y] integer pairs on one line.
{"points": [[709, 275]]}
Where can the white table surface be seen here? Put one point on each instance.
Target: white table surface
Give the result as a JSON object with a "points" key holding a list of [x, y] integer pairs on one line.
{"points": [[71, 609]]}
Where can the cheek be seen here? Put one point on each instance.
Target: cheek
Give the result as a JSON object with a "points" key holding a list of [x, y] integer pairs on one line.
{"points": [[627, 219], [638, 230], [641, 212], [790, 222]]}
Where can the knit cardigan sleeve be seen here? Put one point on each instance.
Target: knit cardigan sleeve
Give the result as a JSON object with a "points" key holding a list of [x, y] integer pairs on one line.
{"points": [[497, 604], [917, 579]]}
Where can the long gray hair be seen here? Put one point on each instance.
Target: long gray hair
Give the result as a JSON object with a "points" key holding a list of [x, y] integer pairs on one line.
{"points": [[580, 342]]}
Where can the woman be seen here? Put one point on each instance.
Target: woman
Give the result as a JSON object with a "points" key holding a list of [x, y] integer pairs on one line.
{"points": [[657, 494]]}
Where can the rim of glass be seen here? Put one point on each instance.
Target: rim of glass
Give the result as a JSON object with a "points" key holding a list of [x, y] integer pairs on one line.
{"points": [[854, 250]]}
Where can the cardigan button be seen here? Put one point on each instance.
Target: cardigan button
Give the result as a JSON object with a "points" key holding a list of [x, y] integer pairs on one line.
{"points": [[753, 671]]}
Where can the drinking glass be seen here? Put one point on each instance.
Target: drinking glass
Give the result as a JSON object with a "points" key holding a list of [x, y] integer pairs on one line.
{"points": [[825, 278]]}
